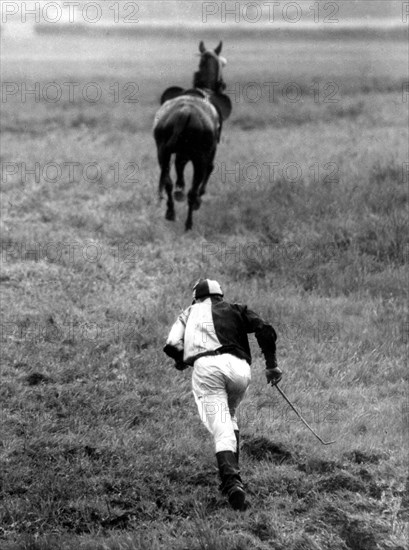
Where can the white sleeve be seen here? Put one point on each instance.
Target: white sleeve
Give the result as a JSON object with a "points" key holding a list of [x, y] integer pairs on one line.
{"points": [[177, 332]]}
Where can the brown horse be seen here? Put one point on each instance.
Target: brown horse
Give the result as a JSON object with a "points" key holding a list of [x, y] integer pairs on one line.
{"points": [[189, 124]]}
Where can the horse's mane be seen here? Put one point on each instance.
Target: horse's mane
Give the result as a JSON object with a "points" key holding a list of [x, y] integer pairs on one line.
{"points": [[199, 83]]}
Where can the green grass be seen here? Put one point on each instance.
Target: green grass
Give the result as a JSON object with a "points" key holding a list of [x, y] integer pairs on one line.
{"points": [[101, 444]]}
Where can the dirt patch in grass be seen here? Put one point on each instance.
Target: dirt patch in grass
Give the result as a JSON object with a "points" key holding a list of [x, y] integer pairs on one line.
{"points": [[360, 536], [261, 448], [342, 481], [318, 465], [36, 378], [361, 457], [357, 532]]}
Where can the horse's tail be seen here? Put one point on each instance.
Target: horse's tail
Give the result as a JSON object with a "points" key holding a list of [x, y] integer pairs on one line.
{"points": [[180, 122]]}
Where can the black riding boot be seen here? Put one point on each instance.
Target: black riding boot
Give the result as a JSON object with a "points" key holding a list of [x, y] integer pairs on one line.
{"points": [[231, 485], [237, 453]]}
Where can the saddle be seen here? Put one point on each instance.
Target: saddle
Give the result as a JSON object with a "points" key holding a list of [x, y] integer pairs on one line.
{"points": [[197, 92]]}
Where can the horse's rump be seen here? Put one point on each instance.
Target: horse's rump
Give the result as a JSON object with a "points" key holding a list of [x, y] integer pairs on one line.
{"points": [[186, 114]]}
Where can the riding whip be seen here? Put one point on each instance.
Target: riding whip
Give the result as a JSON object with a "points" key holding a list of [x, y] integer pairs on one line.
{"points": [[301, 418]]}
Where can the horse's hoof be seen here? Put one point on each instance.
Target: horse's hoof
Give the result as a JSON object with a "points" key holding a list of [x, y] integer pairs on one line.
{"points": [[170, 215], [197, 203], [179, 195]]}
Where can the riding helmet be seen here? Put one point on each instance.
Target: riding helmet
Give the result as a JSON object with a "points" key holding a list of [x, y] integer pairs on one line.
{"points": [[206, 287]]}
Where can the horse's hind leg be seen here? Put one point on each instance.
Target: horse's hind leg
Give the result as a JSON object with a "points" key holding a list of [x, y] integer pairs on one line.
{"points": [[193, 199], [165, 182], [209, 170], [180, 164]]}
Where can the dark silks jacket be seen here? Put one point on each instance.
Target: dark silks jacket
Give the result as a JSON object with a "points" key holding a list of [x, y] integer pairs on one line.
{"points": [[213, 326]]}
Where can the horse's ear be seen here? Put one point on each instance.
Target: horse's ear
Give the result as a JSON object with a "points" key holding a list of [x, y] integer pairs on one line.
{"points": [[223, 104], [219, 48], [170, 93], [202, 48]]}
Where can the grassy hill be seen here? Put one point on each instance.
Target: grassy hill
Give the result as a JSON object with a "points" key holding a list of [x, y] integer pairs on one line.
{"points": [[305, 220]]}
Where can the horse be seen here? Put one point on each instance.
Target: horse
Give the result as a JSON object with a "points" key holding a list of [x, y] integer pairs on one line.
{"points": [[188, 124]]}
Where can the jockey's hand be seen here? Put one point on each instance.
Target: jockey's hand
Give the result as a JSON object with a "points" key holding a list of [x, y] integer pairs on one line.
{"points": [[180, 365], [274, 376]]}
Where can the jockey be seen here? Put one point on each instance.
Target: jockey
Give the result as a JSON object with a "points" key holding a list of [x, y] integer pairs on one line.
{"points": [[211, 337]]}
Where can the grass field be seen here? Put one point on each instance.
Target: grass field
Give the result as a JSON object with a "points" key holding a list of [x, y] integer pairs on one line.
{"points": [[305, 219]]}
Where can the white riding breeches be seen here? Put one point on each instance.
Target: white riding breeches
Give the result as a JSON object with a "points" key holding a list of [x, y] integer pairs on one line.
{"points": [[219, 384]]}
